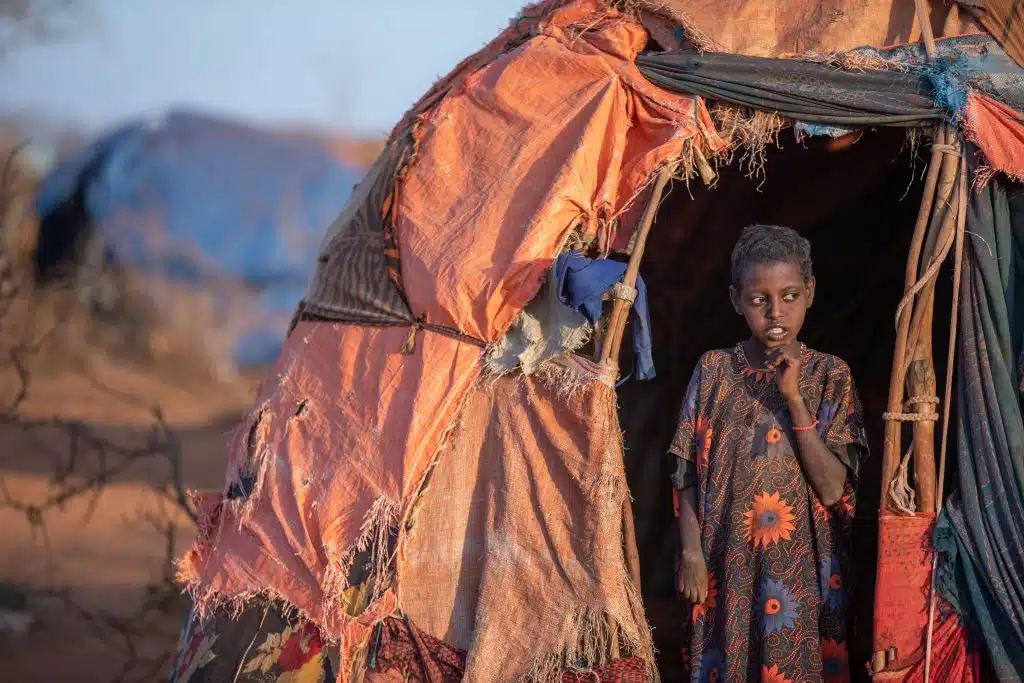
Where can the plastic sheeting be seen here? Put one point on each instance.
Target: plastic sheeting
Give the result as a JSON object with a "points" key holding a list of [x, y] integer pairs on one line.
{"points": [[220, 207], [339, 437], [559, 134], [335, 448]]}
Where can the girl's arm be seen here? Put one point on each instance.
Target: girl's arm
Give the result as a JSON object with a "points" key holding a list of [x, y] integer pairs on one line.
{"points": [[692, 580], [693, 569], [825, 472]]}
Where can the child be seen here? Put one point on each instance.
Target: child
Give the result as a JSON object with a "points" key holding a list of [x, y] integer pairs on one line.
{"points": [[767, 448]]}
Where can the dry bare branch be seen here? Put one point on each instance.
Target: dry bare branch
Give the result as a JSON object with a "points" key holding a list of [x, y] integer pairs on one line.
{"points": [[91, 462]]}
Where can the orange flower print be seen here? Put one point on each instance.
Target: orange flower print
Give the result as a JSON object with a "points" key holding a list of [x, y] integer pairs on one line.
{"points": [[700, 610], [773, 675], [769, 438], [835, 662], [769, 520]]}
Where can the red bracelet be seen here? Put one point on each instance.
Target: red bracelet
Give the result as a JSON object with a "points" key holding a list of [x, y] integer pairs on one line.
{"points": [[807, 428]]}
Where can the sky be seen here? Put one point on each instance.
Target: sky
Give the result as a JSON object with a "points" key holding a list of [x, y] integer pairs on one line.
{"points": [[354, 65]]}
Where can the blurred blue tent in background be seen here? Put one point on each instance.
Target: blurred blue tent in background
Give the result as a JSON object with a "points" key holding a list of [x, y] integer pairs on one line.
{"points": [[232, 211]]}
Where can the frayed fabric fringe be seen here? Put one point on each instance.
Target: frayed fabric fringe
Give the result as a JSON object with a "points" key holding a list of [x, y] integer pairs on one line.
{"points": [[379, 525], [374, 543], [749, 133], [596, 637]]}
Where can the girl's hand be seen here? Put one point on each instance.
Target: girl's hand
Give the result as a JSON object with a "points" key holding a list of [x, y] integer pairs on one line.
{"points": [[787, 374], [693, 578]]}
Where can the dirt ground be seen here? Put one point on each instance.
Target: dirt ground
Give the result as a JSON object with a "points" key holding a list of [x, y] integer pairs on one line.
{"points": [[104, 550]]}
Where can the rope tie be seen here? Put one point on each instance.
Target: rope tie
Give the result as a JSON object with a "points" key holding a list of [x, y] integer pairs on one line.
{"points": [[620, 290], [901, 492], [409, 345], [907, 416]]}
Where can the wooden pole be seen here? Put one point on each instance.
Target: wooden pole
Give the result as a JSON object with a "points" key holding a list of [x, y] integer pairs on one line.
{"points": [[961, 229], [612, 341], [629, 544], [921, 387], [925, 22], [891, 443], [620, 309], [912, 359], [921, 379]]}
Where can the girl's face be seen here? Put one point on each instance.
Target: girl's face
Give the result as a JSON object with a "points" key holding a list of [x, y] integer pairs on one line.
{"points": [[773, 298]]}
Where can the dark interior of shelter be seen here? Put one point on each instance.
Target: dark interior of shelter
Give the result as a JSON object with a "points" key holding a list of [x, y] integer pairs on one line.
{"points": [[858, 206]]}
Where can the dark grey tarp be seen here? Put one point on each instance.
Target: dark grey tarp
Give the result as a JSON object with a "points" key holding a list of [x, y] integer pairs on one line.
{"points": [[824, 94], [798, 90]]}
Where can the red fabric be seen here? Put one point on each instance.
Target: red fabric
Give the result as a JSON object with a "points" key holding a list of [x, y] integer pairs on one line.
{"points": [[420, 657], [951, 662], [630, 670], [901, 607], [998, 131], [417, 656], [901, 589]]}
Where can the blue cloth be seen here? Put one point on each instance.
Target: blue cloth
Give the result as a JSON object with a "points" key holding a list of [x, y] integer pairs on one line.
{"points": [[208, 202], [582, 281], [949, 77]]}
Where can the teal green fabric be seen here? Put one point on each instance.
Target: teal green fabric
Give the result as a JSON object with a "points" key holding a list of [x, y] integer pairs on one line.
{"points": [[980, 533]]}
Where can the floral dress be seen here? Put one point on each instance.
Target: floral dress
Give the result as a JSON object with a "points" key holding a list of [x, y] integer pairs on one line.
{"points": [[264, 643], [777, 558]]}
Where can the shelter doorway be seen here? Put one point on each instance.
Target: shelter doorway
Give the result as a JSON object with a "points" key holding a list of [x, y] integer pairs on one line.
{"points": [[858, 206]]}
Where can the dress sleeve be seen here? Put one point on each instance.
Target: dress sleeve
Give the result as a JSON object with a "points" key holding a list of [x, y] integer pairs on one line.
{"points": [[684, 443], [841, 419]]}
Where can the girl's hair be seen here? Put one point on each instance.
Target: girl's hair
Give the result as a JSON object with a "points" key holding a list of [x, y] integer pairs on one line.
{"points": [[764, 244]]}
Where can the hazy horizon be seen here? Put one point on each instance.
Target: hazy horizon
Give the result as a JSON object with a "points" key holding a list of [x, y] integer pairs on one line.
{"points": [[325, 64]]}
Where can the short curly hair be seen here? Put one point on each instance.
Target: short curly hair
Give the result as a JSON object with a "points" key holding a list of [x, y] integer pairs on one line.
{"points": [[764, 244]]}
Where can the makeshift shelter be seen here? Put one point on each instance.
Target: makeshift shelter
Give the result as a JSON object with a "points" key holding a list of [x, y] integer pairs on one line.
{"points": [[435, 473], [202, 205]]}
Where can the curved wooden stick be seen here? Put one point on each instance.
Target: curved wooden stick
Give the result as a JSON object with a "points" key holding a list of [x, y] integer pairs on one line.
{"points": [[958, 258], [620, 310], [891, 443], [921, 381]]}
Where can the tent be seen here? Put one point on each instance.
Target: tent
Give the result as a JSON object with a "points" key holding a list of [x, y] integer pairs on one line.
{"points": [[455, 469], [202, 204]]}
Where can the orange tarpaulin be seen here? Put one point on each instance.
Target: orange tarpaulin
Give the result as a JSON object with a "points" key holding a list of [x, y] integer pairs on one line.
{"points": [[998, 131], [343, 405], [560, 133], [770, 28]]}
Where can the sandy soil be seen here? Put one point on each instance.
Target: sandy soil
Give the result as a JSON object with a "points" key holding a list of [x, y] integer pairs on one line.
{"points": [[103, 549]]}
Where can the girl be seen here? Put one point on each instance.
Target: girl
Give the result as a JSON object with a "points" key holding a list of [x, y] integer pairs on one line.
{"points": [[767, 448]]}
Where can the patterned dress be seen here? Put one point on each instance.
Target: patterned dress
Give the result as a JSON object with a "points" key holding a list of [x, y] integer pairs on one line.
{"points": [[776, 556]]}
